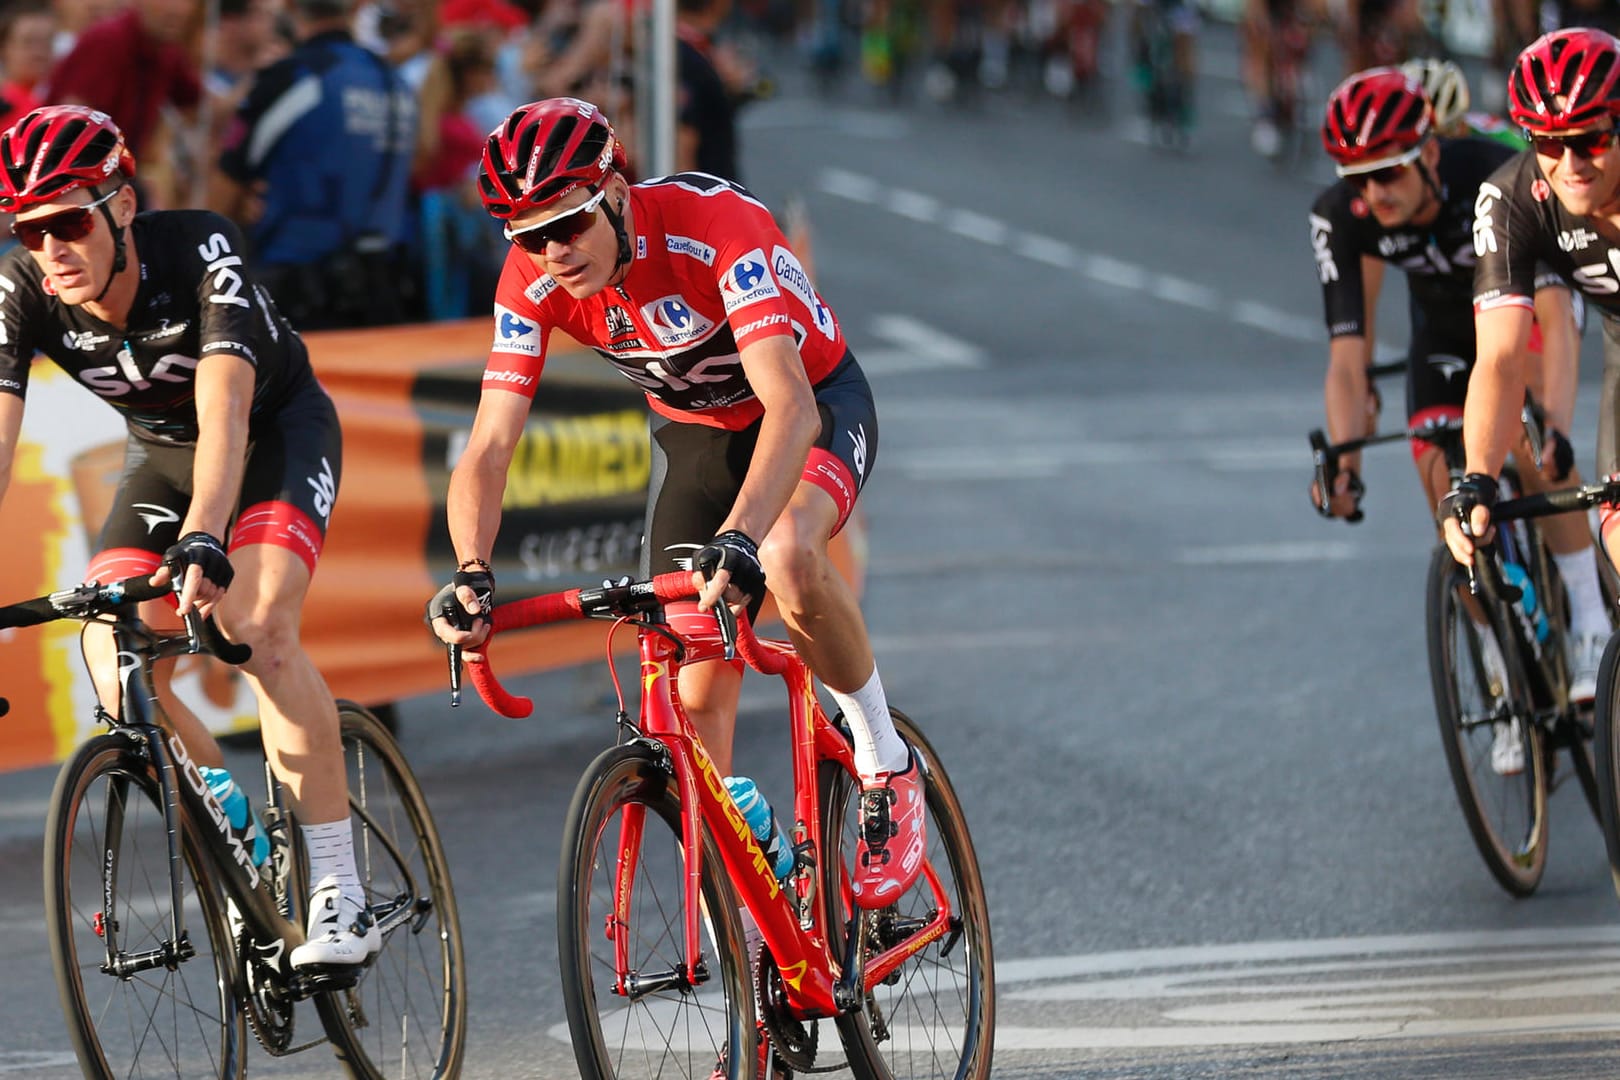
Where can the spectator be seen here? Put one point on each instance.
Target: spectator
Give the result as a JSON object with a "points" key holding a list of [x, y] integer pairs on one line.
{"points": [[713, 83], [27, 29], [244, 41], [73, 17], [130, 65], [317, 169], [459, 261]]}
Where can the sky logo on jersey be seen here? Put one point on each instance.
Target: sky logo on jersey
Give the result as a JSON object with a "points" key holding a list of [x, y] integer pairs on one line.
{"points": [[748, 281], [685, 245], [791, 274], [515, 334], [674, 323]]}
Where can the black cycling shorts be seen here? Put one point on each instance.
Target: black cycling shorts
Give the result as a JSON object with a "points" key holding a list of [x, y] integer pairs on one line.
{"points": [[697, 470], [294, 463]]}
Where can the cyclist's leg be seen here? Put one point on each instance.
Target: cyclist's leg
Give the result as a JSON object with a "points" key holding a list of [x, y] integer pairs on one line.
{"points": [[692, 485], [143, 523]]}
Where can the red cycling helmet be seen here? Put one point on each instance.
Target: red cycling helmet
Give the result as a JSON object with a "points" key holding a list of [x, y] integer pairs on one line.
{"points": [[1565, 79], [1374, 116], [543, 151], [55, 149]]}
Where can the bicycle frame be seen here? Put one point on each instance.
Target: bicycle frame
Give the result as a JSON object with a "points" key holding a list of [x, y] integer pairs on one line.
{"points": [[792, 920]]}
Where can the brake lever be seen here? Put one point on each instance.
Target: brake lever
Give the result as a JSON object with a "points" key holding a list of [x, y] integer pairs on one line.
{"points": [[1326, 464], [1533, 433], [728, 627], [455, 674]]}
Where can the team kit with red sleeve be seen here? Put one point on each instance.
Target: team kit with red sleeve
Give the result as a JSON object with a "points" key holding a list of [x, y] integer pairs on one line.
{"points": [[1520, 225], [711, 272]]}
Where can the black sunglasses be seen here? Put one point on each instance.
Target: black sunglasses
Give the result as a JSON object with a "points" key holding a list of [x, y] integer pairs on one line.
{"points": [[68, 226], [1586, 146], [565, 228], [1383, 177]]}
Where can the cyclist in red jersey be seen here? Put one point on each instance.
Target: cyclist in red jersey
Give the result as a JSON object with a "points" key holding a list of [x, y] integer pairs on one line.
{"points": [[229, 436], [763, 427]]}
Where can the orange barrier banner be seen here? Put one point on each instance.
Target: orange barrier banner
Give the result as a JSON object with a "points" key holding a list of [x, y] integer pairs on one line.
{"points": [[406, 396]]}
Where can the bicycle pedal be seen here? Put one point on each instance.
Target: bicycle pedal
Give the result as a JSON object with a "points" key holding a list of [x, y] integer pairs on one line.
{"points": [[326, 978]]}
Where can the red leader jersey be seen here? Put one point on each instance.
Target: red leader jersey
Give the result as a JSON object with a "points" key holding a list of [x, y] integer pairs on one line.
{"points": [[710, 273]]}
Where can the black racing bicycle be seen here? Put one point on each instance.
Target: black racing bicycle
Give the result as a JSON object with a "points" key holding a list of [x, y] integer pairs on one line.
{"points": [[168, 941], [1499, 667]]}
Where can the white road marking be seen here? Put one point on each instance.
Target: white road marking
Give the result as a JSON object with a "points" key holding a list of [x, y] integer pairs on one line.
{"points": [[1043, 458], [1417, 986], [31, 1061], [1097, 266], [1283, 551], [913, 345]]}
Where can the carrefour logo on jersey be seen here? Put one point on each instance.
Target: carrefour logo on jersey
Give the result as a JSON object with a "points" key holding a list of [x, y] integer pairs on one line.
{"points": [[540, 288], [793, 278], [674, 322], [515, 334], [685, 245], [748, 281]]}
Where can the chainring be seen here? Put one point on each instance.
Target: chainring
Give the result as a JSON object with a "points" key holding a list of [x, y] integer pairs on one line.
{"points": [[794, 1042]]}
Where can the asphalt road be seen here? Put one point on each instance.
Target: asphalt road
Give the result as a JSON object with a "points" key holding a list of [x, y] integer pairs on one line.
{"points": [[1190, 721]]}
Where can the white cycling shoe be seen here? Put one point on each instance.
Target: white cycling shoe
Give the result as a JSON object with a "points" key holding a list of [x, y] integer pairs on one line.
{"points": [[341, 931], [1585, 656], [1507, 749]]}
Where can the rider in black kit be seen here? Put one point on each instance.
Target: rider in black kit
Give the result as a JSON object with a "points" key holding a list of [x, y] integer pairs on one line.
{"points": [[230, 438], [1559, 204], [1407, 198]]}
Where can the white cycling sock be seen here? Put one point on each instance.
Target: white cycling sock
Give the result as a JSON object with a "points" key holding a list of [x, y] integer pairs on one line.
{"points": [[331, 857], [1586, 614], [878, 747]]}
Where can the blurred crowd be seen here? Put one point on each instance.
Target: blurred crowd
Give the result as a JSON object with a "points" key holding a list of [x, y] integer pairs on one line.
{"points": [[343, 136]]}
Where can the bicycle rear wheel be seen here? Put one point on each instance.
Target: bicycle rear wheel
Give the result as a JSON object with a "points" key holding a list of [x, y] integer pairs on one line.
{"points": [[935, 1017], [1506, 813], [407, 1016], [1606, 751], [622, 870], [180, 1017]]}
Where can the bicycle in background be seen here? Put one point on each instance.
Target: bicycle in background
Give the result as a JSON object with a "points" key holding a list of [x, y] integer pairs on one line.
{"points": [[1498, 666], [169, 940], [657, 859]]}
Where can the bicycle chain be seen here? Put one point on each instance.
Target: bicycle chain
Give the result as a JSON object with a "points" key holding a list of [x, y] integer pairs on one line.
{"points": [[793, 1043]]}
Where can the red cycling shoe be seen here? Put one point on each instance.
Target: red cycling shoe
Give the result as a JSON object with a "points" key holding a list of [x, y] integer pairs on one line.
{"points": [[890, 853]]}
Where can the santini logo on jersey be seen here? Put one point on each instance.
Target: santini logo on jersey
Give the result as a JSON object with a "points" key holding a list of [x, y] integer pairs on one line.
{"points": [[793, 278], [748, 281], [516, 378], [515, 334], [674, 323], [685, 245]]}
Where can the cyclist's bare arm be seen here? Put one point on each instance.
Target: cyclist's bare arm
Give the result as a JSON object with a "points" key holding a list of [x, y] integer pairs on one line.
{"points": [[786, 434], [1560, 355], [11, 413], [473, 503], [1491, 414], [224, 391], [1346, 392]]}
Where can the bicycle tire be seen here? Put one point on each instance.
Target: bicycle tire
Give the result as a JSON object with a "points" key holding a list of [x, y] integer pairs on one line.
{"points": [[1606, 751], [669, 1029], [1575, 730], [407, 1015], [963, 983], [1506, 815], [106, 805]]}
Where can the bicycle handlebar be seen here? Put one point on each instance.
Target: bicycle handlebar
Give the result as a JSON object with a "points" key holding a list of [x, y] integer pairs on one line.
{"points": [[1558, 502], [624, 599], [92, 599]]}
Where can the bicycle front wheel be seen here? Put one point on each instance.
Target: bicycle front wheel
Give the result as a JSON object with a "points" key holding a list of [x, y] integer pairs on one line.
{"points": [[1502, 789], [1606, 751], [407, 1016], [935, 1017], [635, 1011], [138, 1000]]}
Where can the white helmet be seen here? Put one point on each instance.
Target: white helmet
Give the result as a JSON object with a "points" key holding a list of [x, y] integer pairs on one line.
{"points": [[1446, 87]]}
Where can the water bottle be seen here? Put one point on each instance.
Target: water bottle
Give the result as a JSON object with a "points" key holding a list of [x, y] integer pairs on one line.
{"points": [[762, 822], [1527, 597], [237, 812]]}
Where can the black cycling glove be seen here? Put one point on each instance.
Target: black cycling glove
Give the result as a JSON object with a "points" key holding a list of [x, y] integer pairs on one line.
{"points": [[735, 552], [204, 550], [1558, 450], [445, 604], [1475, 489]]}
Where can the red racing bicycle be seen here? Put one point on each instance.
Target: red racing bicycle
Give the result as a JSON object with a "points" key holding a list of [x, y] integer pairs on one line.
{"points": [[657, 860]]}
